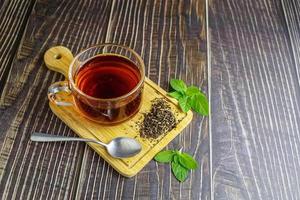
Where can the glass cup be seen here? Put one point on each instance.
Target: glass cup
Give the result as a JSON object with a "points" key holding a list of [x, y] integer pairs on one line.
{"points": [[102, 110]]}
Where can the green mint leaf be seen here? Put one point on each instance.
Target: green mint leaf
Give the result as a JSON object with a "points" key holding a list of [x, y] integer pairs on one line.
{"points": [[179, 171], [181, 163], [184, 103], [164, 156], [199, 103], [177, 95], [192, 90], [178, 85], [187, 161], [176, 158]]}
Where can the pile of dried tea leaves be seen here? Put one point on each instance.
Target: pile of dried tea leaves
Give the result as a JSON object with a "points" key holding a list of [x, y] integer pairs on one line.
{"points": [[158, 121]]}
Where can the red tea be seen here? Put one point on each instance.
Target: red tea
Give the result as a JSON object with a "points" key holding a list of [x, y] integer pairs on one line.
{"points": [[106, 77]]}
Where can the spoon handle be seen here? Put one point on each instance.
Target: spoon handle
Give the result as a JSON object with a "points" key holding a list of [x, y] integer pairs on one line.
{"points": [[43, 137]]}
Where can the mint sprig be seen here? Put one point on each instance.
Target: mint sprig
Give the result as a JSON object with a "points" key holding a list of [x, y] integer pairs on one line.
{"points": [[181, 163], [189, 97]]}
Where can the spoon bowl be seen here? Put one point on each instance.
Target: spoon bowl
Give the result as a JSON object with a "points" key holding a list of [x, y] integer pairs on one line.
{"points": [[122, 147]]}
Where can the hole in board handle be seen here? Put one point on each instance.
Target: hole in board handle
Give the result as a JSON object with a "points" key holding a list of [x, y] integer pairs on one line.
{"points": [[57, 56]]}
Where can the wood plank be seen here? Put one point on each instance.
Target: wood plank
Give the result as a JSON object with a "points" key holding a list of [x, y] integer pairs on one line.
{"points": [[31, 170], [13, 15], [255, 101], [171, 37], [291, 9]]}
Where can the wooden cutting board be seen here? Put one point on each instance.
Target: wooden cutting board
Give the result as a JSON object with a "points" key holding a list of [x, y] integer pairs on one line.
{"points": [[58, 59]]}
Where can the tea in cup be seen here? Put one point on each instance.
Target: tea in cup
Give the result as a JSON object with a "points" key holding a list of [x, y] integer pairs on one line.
{"points": [[106, 83]]}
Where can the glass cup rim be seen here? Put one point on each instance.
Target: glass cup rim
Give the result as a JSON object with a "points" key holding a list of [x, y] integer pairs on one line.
{"points": [[141, 81]]}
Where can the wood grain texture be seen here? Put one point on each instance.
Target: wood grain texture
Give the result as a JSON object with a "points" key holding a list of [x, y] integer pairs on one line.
{"points": [[13, 15], [170, 36], [291, 10], [255, 101], [43, 171]]}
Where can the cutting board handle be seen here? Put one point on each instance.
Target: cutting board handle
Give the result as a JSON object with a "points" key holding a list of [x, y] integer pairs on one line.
{"points": [[58, 59]]}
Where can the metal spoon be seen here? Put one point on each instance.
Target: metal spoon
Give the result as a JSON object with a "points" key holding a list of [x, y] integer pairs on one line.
{"points": [[120, 147]]}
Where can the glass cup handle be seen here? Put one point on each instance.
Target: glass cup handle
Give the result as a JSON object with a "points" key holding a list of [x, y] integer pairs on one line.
{"points": [[61, 86]]}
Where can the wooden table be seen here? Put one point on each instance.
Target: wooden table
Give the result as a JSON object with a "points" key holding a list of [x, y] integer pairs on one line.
{"points": [[247, 61]]}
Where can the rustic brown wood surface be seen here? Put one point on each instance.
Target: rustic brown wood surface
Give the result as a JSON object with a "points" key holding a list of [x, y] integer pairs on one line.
{"points": [[14, 15], [254, 83], [170, 36], [254, 51]]}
